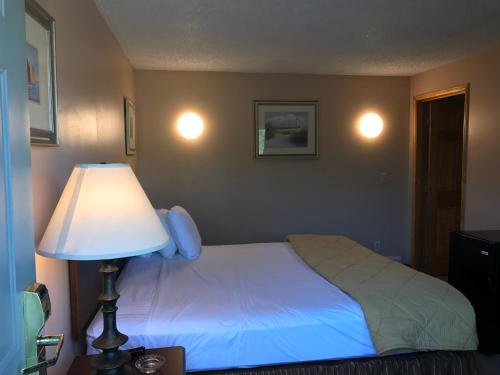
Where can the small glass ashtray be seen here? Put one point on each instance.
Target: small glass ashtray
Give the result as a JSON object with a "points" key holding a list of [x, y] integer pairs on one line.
{"points": [[149, 363]]}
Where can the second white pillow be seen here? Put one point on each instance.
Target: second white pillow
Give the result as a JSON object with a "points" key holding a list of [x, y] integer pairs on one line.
{"points": [[185, 232]]}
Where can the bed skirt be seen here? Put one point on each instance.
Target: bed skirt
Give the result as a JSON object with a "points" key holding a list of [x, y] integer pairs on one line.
{"points": [[420, 363]]}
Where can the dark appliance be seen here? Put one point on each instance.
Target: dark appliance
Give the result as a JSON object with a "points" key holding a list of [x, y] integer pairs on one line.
{"points": [[474, 270]]}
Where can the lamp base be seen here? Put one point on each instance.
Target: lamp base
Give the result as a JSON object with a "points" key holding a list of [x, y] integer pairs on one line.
{"points": [[111, 361], [125, 370]]}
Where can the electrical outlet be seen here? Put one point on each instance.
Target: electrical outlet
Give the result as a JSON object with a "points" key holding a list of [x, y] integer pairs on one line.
{"points": [[377, 245]]}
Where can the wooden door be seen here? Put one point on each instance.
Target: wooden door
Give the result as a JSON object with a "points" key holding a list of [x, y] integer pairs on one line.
{"points": [[444, 180], [17, 267]]}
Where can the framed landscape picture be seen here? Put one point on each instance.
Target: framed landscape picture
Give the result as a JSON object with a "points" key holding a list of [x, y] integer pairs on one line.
{"points": [[41, 75], [286, 129], [129, 126]]}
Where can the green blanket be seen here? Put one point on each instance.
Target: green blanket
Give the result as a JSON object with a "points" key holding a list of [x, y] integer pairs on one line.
{"points": [[404, 309]]}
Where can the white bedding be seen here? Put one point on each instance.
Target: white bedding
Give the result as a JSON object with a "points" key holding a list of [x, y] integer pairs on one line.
{"points": [[237, 306]]}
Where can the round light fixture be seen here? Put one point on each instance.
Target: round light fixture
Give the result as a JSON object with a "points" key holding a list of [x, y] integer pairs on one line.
{"points": [[190, 125], [371, 125]]}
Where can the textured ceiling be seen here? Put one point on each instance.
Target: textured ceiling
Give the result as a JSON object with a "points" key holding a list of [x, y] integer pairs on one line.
{"points": [[362, 37]]}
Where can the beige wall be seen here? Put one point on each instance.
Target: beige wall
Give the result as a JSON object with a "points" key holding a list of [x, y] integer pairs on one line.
{"points": [[235, 198], [482, 195], [93, 77]]}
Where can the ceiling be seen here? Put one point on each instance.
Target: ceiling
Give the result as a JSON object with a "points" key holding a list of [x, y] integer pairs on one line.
{"points": [[360, 37]]}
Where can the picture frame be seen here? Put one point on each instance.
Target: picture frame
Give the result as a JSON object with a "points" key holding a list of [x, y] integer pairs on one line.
{"points": [[130, 133], [41, 75], [286, 129]]}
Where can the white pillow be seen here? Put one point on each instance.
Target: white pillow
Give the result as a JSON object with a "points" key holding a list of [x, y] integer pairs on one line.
{"points": [[170, 249], [185, 232]]}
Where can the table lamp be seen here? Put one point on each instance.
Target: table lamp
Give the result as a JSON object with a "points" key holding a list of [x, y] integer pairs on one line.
{"points": [[104, 214]]}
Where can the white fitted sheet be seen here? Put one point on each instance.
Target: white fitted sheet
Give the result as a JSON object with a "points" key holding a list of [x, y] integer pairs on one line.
{"points": [[237, 306]]}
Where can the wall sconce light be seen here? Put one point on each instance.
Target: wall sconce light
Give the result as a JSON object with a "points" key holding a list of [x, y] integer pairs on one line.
{"points": [[371, 125], [190, 125]]}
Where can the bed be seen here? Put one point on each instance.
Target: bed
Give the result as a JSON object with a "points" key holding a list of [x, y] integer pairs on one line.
{"points": [[257, 308], [237, 306]]}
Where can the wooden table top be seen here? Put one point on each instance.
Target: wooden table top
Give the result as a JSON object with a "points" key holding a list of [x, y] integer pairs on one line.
{"points": [[174, 362]]}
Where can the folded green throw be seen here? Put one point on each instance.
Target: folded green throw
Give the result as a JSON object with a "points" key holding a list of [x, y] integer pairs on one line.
{"points": [[405, 310]]}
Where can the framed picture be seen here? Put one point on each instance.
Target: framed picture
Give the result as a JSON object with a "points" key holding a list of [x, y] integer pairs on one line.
{"points": [[286, 129], [41, 75], [129, 126]]}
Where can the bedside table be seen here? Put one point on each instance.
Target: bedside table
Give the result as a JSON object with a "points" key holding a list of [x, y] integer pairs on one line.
{"points": [[174, 362]]}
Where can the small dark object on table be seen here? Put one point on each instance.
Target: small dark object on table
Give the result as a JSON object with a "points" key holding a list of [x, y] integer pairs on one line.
{"points": [[174, 361]]}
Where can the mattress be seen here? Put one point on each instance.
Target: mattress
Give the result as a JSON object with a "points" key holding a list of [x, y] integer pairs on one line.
{"points": [[237, 306]]}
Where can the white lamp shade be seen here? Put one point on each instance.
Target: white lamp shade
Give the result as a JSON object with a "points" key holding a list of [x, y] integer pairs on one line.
{"points": [[103, 213]]}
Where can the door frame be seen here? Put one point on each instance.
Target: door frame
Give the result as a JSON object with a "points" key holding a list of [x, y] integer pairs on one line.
{"points": [[416, 249]]}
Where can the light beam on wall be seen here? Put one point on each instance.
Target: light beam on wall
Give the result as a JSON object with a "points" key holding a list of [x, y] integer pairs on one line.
{"points": [[190, 125], [371, 125]]}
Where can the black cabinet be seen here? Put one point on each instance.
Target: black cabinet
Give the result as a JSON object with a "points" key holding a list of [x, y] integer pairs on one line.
{"points": [[474, 270]]}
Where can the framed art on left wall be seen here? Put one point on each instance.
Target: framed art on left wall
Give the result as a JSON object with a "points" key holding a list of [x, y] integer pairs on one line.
{"points": [[129, 126], [41, 75]]}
